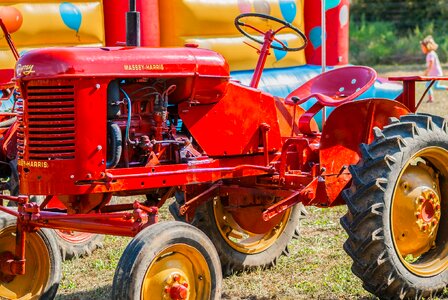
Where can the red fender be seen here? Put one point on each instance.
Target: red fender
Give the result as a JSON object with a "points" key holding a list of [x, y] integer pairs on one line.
{"points": [[348, 126]]}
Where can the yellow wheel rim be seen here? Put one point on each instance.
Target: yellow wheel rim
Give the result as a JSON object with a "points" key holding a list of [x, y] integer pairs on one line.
{"points": [[417, 220], [178, 272], [37, 266], [243, 240]]}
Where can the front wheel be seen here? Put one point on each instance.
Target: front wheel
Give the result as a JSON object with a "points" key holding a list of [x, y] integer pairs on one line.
{"points": [[42, 268], [397, 210], [168, 260]]}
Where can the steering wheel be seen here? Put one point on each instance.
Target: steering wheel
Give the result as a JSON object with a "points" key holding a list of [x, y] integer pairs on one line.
{"points": [[240, 22]]}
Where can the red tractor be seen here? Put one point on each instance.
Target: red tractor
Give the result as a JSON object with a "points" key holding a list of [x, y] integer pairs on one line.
{"points": [[124, 121]]}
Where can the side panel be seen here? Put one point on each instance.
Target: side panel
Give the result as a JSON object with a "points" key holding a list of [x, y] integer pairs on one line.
{"points": [[232, 126], [347, 127]]}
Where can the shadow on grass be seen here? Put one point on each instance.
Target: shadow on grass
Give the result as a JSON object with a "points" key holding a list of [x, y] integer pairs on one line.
{"points": [[252, 297], [99, 293], [105, 293]]}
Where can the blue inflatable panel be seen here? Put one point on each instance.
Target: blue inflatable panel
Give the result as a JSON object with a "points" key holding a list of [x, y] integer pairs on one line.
{"points": [[383, 89], [7, 105]]}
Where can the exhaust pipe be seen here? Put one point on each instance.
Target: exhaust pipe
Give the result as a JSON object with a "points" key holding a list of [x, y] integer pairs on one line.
{"points": [[132, 25]]}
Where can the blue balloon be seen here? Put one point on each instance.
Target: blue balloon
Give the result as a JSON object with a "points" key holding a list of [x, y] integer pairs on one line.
{"points": [[288, 9], [71, 15], [329, 4], [316, 37], [279, 54]]}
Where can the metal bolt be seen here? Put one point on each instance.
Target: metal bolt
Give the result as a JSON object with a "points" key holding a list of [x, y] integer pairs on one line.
{"points": [[200, 277], [97, 86], [72, 176], [99, 148]]}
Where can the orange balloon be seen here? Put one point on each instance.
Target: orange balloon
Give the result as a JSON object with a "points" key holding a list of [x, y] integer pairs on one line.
{"points": [[11, 17]]}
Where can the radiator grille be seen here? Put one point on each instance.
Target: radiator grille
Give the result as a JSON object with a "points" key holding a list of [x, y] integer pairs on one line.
{"points": [[50, 119]]}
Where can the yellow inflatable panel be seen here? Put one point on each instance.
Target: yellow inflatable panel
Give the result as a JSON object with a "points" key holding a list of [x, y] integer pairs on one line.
{"points": [[46, 23], [210, 24]]}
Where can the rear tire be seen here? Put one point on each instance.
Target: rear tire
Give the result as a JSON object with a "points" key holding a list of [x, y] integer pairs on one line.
{"points": [[74, 243], [43, 263], [242, 249], [397, 219], [167, 259], [77, 244]]}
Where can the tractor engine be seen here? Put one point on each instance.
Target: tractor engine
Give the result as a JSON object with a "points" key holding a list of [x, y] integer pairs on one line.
{"points": [[143, 129]]}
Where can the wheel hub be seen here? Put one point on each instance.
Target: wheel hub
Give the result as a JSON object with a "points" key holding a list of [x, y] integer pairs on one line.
{"points": [[417, 211], [428, 211], [176, 287], [245, 231]]}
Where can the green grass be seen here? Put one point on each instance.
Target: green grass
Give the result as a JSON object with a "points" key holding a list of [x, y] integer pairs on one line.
{"points": [[317, 267]]}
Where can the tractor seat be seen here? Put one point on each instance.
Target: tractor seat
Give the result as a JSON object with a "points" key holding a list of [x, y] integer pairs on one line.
{"points": [[331, 88], [334, 87]]}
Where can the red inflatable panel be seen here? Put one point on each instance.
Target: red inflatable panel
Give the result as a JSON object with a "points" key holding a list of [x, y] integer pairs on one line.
{"points": [[337, 30], [115, 22]]}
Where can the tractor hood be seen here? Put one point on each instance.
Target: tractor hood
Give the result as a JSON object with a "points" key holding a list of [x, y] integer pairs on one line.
{"points": [[121, 62]]}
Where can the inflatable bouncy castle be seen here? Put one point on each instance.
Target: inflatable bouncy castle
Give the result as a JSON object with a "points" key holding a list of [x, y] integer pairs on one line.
{"points": [[168, 23]]}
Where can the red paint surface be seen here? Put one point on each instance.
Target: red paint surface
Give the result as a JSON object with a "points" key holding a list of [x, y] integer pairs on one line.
{"points": [[115, 22]]}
